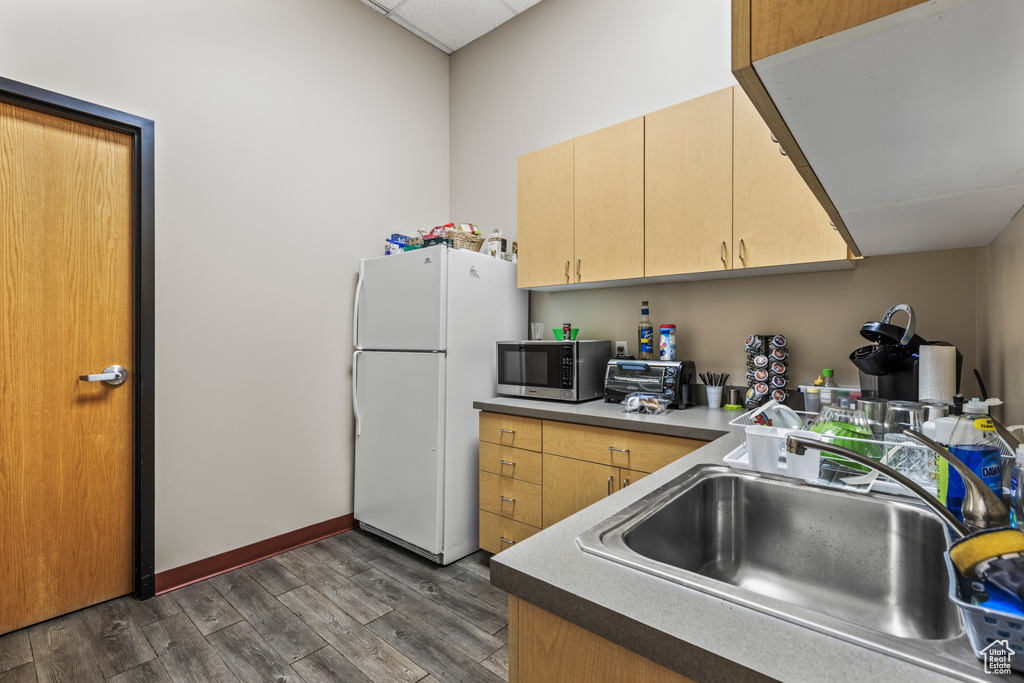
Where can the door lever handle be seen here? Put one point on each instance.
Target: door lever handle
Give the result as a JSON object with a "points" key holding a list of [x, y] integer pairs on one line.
{"points": [[112, 375]]}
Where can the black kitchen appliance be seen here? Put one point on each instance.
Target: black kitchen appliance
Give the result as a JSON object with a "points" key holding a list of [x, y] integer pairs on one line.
{"points": [[671, 379], [889, 366]]}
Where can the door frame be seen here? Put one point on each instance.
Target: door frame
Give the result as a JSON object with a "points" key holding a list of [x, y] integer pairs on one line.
{"points": [[143, 258]]}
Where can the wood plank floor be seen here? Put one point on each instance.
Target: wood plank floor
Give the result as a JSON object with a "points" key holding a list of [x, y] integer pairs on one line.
{"points": [[351, 608]]}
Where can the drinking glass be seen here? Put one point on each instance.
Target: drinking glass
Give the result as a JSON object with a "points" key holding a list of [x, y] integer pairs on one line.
{"points": [[917, 463], [536, 331]]}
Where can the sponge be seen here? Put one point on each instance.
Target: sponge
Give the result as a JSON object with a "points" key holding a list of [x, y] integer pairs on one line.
{"points": [[971, 550]]}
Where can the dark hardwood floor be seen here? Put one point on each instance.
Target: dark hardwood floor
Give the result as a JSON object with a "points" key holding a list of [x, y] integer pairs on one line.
{"points": [[350, 608]]}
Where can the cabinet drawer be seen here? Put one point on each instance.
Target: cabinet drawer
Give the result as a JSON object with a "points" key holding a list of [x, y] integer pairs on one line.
{"points": [[510, 430], [522, 499], [498, 533], [510, 462], [616, 447]]}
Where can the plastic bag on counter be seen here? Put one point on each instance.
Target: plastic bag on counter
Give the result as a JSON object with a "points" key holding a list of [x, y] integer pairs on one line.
{"points": [[645, 403]]}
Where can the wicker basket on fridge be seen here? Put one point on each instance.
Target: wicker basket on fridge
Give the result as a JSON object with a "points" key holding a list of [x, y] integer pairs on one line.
{"points": [[462, 239]]}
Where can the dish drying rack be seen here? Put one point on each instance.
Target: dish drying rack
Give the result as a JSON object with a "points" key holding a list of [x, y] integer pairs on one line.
{"points": [[831, 473]]}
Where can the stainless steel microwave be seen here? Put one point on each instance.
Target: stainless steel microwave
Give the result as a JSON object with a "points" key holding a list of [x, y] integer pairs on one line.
{"points": [[560, 370]]}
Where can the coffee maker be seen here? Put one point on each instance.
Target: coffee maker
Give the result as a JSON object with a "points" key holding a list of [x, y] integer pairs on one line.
{"points": [[889, 365]]}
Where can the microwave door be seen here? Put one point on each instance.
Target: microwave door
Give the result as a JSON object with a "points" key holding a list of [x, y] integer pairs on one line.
{"points": [[530, 370]]}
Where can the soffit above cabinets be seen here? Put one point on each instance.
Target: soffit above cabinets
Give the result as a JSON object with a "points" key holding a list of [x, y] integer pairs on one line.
{"points": [[913, 123], [450, 24]]}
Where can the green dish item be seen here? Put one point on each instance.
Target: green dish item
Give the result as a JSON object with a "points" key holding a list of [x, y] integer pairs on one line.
{"points": [[559, 333], [849, 431]]}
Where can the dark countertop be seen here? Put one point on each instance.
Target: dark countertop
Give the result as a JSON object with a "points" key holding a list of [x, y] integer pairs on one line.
{"points": [[696, 634]]}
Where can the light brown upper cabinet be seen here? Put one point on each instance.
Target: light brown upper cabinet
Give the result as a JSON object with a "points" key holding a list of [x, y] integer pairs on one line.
{"points": [[546, 222], [609, 202], [688, 186], [777, 220]]}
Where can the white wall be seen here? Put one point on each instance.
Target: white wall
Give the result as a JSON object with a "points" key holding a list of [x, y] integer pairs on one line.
{"points": [[567, 67], [291, 136], [1000, 283]]}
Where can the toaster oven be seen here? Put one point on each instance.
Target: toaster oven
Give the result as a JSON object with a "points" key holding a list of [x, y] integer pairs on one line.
{"points": [[671, 379]]}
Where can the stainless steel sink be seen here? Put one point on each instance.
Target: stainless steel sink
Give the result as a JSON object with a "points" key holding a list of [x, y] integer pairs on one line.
{"points": [[863, 567]]}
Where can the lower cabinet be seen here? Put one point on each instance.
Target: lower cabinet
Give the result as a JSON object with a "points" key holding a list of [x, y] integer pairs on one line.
{"points": [[571, 485], [544, 647], [534, 473]]}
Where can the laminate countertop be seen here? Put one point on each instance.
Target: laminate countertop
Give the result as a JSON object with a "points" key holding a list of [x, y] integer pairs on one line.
{"points": [[698, 635]]}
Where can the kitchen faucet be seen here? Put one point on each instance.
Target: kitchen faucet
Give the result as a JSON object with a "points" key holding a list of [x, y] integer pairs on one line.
{"points": [[981, 508]]}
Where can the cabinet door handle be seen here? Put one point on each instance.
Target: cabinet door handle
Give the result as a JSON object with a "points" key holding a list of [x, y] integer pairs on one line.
{"points": [[505, 462], [609, 486], [508, 500], [566, 271], [782, 151], [625, 483], [507, 431], [774, 139], [505, 540], [739, 252], [833, 224], [723, 253], [578, 270]]}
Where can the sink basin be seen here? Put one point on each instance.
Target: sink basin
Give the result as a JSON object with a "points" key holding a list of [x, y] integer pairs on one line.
{"points": [[864, 567]]}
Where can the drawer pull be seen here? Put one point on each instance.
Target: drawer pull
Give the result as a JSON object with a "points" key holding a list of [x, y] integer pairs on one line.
{"points": [[505, 540], [505, 462], [609, 486], [508, 500], [507, 431], [618, 450]]}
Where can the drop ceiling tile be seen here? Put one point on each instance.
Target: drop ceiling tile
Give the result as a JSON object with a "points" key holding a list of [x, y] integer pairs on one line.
{"points": [[518, 6], [454, 22]]}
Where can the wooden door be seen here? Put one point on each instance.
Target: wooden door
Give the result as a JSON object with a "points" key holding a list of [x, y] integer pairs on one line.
{"points": [[688, 186], [66, 310], [609, 199], [546, 218], [776, 218], [571, 485]]}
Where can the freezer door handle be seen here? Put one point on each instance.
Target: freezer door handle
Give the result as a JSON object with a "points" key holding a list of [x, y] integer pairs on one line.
{"points": [[355, 390], [355, 308]]}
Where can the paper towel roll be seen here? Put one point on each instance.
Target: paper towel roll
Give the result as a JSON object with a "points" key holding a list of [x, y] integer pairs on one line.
{"points": [[936, 376]]}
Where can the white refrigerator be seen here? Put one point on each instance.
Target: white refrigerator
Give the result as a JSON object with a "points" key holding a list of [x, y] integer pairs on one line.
{"points": [[425, 326]]}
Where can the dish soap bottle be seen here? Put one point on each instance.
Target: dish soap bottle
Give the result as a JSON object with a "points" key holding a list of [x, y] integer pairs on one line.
{"points": [[975, 442], [645, 334], [941, 431]]}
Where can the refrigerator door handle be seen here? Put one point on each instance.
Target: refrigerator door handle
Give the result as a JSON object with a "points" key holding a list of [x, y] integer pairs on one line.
{"points": [[355, 391], [355, 307]]}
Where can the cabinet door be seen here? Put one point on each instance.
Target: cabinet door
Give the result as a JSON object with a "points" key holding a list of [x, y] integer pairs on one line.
{"points": [[688, 186], [776, 218], [546, 221], [571, 485], [609, 198]]}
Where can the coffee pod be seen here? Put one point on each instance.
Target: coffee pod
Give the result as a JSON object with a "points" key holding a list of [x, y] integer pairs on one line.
{"points": [[779, 381], [760, 361], [751, 343], [760, 375], [760, 389], [780, 395], [779, 368], [778, 354], [778, 342]]}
